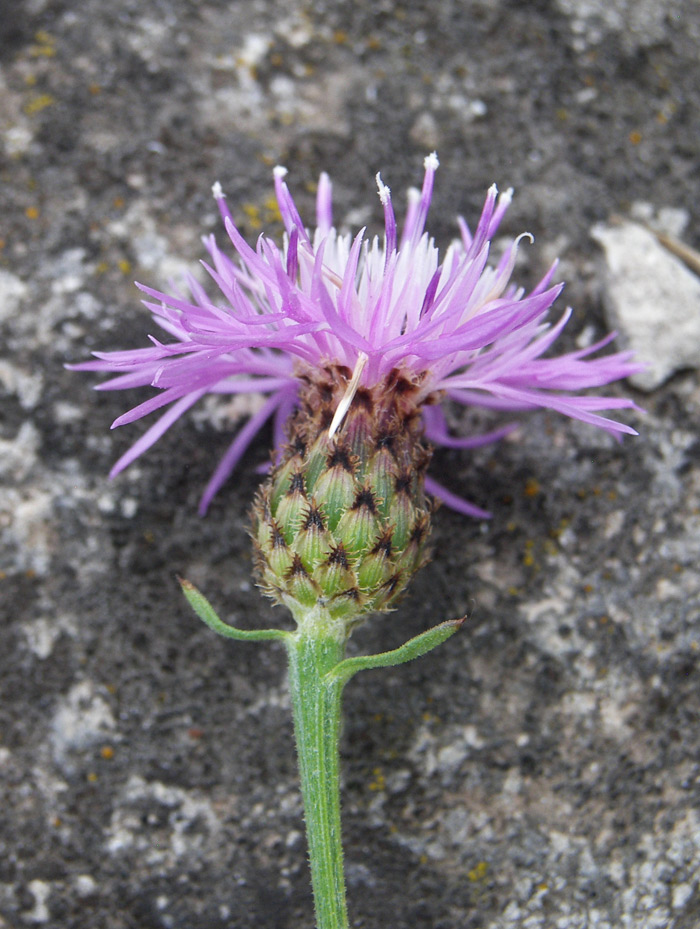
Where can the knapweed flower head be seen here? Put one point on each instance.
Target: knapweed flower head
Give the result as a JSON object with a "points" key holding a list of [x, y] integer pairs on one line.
{"points": [[354, 343]]}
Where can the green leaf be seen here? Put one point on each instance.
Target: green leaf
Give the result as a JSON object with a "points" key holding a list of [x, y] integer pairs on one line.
{"points": [[414, 648], [208, 615]]}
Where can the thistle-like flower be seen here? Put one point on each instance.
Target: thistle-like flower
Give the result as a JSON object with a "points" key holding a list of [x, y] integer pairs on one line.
{"points": [[355, 342]]}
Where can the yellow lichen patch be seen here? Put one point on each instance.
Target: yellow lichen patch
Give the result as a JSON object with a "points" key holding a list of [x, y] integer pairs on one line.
{"points": [[101, 267], [37, 104], [532, 487], [272, 210], [45, 45], [32, 212], [550, 547], [478, 872], [379, 781], [107, 752], [635, 137], [340, 37], [556, 531], [252, 214], [124, 265], [529, 556], [92, 777], [94, 89], [259, 215]]}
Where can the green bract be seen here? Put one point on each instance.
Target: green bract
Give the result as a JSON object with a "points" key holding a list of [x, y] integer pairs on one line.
{"points": [[341, 524]]}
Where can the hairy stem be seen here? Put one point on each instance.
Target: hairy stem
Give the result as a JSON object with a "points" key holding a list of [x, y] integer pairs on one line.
{"points": [[316, 703], [318, 671]]}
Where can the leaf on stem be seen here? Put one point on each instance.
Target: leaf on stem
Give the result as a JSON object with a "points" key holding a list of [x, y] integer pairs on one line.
{"points": [[414, 648], [208, 615]]}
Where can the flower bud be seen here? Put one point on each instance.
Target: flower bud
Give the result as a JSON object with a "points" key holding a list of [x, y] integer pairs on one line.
{"points": [[342, 522]]}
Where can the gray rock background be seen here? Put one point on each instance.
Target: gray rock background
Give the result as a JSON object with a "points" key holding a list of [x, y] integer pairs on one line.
{"points": [[542, 770]]}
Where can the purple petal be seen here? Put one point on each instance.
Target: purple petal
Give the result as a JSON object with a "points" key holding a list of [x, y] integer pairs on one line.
{"points": [[436, 432], [453, 501], [151, 436], [237, 448]]}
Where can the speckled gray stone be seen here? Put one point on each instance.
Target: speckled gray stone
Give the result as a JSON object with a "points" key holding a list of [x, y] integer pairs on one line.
{"points": [[652, 300], [539, 771]]}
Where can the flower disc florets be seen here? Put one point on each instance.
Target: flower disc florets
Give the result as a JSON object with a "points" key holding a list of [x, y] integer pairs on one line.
{"points": [[342, 522], [326, 300]]}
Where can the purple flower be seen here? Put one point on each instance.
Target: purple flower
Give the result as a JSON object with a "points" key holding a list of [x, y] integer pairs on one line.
{"points": [[325, 297]]}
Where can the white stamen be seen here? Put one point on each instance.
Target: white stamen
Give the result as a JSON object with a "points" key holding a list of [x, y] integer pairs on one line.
{"points": [[279, 171], [506, 196], [333, 278], [350, 392], [431, 161], [384, 191], [218, 192]]}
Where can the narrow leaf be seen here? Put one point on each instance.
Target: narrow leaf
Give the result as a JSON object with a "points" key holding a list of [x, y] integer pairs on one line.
{"points": [[207, 614], [414, 648]]}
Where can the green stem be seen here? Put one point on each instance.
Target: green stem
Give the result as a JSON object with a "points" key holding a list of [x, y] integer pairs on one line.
{"points": [[316, 705], [318, 671]]}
